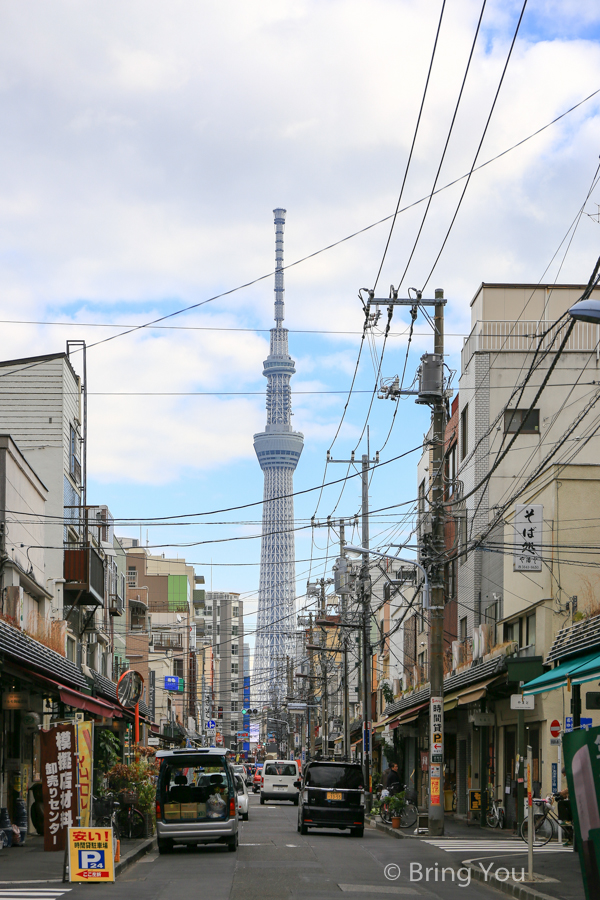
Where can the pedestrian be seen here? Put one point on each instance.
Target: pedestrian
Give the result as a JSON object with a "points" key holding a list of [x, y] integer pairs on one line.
{"points": [[393, 779]]}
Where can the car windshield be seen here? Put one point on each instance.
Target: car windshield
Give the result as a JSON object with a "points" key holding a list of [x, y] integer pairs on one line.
{"points": [[239, 783], [194, 787], [349, 777], [280, 769]]}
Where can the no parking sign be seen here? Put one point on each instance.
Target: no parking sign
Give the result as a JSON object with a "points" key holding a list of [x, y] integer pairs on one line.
{"points": [[91, 855]]}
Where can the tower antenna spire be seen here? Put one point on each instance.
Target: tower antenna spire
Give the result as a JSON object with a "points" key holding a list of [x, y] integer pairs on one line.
{"points": [[279, 282]]}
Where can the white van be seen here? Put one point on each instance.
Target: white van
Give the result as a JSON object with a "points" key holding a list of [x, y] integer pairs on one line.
{"points": [[279, 777]]}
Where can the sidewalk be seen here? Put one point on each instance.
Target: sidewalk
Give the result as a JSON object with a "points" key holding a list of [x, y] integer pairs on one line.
{"points": [[475, 846], [30, 864]]}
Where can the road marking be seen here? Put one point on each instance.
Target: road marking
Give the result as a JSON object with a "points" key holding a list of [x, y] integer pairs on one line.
{"points": [[377, 889], [452, 845], [31, 893]]}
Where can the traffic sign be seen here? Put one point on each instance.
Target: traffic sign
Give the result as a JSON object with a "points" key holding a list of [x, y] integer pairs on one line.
{"points": [[568, 723], [555, 728], [211, 725]]}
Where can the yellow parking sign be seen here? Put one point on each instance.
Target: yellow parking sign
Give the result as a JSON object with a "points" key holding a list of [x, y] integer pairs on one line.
{"points": [[91, 855]]}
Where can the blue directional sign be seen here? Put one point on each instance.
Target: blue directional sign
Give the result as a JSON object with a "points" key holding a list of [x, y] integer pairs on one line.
{"points": [[173, 683], [210, 725]]}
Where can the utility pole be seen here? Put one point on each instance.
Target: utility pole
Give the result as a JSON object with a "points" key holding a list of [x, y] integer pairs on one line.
{"points": [[324, 710], [311, 675], [365, 597], [436, 612], [346, 692]]}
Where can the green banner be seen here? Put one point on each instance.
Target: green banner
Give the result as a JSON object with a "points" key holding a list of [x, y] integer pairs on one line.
{"points": [[582, 764]]}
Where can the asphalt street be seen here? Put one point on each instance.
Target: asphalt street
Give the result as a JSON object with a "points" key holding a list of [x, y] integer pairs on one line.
{"points": [[274, 861]]}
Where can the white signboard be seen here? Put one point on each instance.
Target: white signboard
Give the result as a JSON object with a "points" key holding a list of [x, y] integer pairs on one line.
{"points": [[436, 722], [518, 701], [528, 537]]}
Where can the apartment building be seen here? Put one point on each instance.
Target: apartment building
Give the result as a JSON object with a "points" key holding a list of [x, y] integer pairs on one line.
{"points": [[163, 636], [514, 557], [224, 617]]}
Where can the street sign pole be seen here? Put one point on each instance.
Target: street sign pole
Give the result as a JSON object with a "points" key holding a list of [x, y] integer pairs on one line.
{"points": [[530, 817]]}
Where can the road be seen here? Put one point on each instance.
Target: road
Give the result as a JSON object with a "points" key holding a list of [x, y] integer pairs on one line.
{"points": [[274, 862]]}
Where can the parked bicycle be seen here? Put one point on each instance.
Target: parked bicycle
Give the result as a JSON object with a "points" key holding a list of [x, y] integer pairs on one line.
{"points": [[545, 822], [495, 815], [409, 812], [105, 811], [132, 824]]}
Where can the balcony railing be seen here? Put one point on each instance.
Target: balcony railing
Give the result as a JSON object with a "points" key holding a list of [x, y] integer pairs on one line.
{"points": [[132, 579], [164, 640], [525, 335]]}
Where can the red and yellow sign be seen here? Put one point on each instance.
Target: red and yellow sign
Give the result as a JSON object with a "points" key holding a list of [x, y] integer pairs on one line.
{"points": [[434, 791], [91, 855]]}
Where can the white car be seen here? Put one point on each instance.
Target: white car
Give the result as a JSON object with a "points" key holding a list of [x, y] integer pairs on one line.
{"points": [[280, 777], [242, 797]]}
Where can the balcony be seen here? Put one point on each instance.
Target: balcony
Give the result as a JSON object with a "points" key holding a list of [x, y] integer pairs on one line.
{"points": [[132, 578], [84, 575], [166, 640]]}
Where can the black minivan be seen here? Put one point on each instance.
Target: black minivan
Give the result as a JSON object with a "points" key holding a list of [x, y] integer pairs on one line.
{"points": [[332, 796]]}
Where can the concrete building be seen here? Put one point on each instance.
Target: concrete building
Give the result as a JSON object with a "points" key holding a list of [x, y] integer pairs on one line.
{"points": [[224, 615], [515, 584], [162, 636]]}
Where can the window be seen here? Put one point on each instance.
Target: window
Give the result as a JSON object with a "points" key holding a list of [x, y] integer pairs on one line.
{"points": [[452, 470], [234, 630], [451, 580], [71, 649], [234, 706], [234, 725], [463, 629], [528, 419], [530, 630], [464, 432], [218, 628], [511, 631], [234, 687], [234, 649], [218, 610], [235, 612], [234, 668], [74, 464], [178, 668], [208, 611]]}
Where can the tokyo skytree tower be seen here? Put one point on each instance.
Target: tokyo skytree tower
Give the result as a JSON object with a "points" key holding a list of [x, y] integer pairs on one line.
{"points": [[278, 449]]}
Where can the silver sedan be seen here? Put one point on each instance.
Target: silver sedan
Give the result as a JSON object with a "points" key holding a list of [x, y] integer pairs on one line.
{"points": [[243, 798]]}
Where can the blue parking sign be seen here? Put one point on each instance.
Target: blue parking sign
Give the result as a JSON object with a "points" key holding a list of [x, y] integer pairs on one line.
{"points": [[91, 859]]}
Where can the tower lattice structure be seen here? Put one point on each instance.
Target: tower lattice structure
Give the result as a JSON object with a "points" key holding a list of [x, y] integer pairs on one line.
{"points": [[278, 449]]}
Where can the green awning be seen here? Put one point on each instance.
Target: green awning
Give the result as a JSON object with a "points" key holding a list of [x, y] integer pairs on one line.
{"points": [[585, 667]]}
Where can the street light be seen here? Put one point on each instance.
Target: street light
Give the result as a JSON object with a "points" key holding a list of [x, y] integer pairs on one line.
{"points": [[586, 311], [398, 559]]}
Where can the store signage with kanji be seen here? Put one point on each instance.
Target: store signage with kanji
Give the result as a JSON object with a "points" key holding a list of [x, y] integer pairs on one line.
{"points": [[59, 784]]}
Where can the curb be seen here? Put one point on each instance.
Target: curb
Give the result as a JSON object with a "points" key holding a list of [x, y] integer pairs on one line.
{"points": [[128, 859], [520, 891]]}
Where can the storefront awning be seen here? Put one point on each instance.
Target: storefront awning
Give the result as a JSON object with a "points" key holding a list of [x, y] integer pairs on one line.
{"points": [[577, 670], [467, 695], [90, 704], [409, 715]]}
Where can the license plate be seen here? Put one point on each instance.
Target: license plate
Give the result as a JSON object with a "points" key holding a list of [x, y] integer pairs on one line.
{"points": [[279, 787], [332, 795]]}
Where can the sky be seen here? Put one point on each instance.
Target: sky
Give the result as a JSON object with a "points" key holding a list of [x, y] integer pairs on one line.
{"points": [[144, 146]]}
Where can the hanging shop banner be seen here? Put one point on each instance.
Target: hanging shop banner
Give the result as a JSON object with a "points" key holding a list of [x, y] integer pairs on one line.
{"points": [[582, 763], [59, 784], [91, 854], [436, 726], [84, 732], [528, 523]]}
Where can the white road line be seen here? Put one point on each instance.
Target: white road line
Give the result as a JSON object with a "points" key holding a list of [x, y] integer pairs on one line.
{"points": [[517, 847]]}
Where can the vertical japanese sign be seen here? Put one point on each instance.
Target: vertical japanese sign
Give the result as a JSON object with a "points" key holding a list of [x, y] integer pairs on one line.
{"points": [[85, 763], [152, 694], [582, 763], [59, 784], [528, 524], [436, 759]]}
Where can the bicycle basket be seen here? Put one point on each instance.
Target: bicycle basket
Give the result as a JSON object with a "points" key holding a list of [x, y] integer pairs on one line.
{"points": [[103, 806], [410, 796], [128, 797]]}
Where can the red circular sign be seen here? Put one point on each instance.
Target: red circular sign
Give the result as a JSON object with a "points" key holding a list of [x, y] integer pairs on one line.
{"points": [[555, 728]]}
